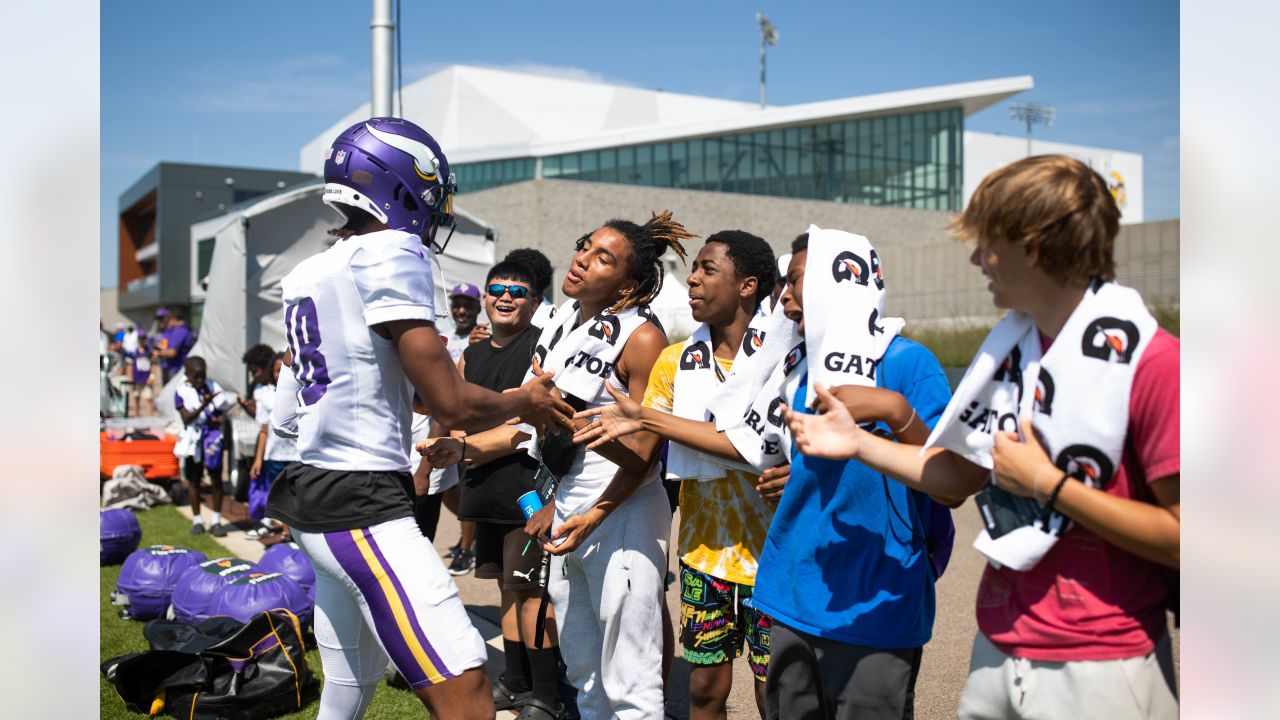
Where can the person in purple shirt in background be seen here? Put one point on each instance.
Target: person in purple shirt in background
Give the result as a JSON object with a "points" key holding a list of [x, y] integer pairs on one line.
{"points": [[141, 394], [177, 342]]}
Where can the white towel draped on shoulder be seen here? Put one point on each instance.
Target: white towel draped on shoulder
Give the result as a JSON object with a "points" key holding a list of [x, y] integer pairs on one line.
{"points": [[1077, 396]]}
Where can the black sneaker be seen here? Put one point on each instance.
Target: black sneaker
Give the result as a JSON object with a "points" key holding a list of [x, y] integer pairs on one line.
{"points": [[197, 528], [453, 551], [536, 709], [504, 698], [219, 530], [463, 563]]}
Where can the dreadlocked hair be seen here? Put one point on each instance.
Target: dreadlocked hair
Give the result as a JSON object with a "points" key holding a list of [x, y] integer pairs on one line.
{"points": [[648, 243]]}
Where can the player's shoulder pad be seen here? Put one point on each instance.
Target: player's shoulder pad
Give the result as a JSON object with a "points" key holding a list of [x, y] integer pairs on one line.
{"points": [[390, 247]]}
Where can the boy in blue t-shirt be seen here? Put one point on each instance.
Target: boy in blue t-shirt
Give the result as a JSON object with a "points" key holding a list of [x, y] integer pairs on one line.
{"points": [[845, 571]]}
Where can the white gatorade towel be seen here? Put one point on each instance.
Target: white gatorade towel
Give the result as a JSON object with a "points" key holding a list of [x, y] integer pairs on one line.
{"points": [[748, 405], [845, 330], [697, 378], [582, 357], [1077, 396]]}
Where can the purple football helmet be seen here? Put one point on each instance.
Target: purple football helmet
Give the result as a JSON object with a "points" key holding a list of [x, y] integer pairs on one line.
{"points": [[396, 172]]}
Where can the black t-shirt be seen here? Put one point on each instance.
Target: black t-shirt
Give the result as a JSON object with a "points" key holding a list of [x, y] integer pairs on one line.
{"points": [[489, 491]]}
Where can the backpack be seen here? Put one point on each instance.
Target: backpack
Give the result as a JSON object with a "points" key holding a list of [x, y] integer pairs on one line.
{"points": [[148, 577], [220, 669], [197, 587], [118, 535]]}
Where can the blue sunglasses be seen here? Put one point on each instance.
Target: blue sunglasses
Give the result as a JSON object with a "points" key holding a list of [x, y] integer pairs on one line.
{"points": [[518, 292]]}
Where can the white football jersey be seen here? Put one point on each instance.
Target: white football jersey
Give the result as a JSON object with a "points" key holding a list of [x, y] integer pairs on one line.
{"points": [[355, 403]]}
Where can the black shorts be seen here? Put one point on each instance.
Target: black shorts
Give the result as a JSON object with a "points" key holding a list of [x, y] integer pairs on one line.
{"points": [[192, 470], [506, 553]]}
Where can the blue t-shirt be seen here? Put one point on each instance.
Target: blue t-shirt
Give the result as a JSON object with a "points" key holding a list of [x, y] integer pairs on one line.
{"points": [[839, 562]]}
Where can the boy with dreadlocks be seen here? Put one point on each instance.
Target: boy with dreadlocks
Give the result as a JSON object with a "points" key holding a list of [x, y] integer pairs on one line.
{"points": [[608, 588]]}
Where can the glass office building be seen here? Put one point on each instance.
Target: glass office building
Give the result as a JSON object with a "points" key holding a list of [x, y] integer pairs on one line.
{"points": [[909, 160]]}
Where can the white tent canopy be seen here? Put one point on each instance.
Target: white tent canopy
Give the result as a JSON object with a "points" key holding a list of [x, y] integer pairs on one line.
{"points": [[256, 245]]}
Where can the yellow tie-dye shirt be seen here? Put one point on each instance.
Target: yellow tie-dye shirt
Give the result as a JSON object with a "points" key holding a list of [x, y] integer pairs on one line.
{"points": [[722, 522]]}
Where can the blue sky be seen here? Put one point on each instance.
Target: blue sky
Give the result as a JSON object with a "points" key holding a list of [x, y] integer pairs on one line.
{"points": [[247, 83]]}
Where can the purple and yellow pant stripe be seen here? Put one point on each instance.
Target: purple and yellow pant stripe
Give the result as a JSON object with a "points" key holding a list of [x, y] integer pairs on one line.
{"points": [[394, 620]]}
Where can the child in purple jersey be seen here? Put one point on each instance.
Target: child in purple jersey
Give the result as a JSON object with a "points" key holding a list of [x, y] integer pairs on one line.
{"points": [[141, 395]]}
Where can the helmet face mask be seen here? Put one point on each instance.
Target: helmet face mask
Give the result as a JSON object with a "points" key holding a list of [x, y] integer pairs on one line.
{"points": [[396, 172]]}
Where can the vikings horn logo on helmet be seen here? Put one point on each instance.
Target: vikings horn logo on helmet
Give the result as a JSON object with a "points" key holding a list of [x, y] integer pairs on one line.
{"points": [[425, 162]]}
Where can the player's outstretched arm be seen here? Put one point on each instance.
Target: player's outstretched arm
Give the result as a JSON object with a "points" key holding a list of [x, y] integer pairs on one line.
{"points": [[460, 405], [627, 416], [834, 434]]}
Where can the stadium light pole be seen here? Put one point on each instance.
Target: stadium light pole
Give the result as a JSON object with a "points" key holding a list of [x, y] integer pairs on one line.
{"points": [[1032, 114], [768, 36]]}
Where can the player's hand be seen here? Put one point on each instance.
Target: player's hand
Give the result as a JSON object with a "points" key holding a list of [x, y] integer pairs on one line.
{"points": [[478, 333], [773, 481], [440, 452], [611, 421], [256, 469], [832, 435], [539, 524], [1021, 465], [549, 412], [575, 530]]}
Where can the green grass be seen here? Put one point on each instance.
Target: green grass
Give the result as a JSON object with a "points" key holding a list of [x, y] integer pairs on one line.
{"points": [[163, 525]]}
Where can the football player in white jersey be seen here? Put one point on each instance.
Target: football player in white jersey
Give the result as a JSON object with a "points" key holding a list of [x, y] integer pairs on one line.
{"points": [[359, 319]]}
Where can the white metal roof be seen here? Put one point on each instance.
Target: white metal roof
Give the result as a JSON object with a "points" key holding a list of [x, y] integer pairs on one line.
{"points": [[480, 114]]}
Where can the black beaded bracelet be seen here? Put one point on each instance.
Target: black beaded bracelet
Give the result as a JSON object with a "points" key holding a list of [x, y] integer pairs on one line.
{"points": [[1053, 496]]}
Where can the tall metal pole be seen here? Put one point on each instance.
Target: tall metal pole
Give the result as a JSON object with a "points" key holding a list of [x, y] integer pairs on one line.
{"points": [[762, 58], [768, 36], [383, 30], [1031, 114]]}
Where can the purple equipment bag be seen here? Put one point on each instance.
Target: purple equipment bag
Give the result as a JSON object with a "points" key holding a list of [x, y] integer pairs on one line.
{"points": [[118, 534], [288, 559], [211, 446], [257, 592], [197, 587], [146, 582]]}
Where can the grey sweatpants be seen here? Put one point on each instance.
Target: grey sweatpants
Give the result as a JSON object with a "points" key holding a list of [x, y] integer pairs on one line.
{"points": [[608, 597], [1001, 687]]}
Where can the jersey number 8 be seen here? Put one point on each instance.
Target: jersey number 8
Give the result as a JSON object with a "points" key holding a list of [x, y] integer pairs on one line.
{"points": [[302, 327]]}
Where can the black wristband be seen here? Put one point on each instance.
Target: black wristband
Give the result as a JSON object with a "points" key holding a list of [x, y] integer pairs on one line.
{"points": [[1053, 496]]}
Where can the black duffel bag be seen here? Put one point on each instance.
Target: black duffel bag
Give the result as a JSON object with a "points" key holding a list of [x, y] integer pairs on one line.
{"points": [[217, 669]]}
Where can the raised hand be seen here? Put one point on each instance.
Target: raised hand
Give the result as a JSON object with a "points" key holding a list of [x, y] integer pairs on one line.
{"points": [[478, 333], [611, 421], [441, 452], [549, 412], [833, 435]]}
